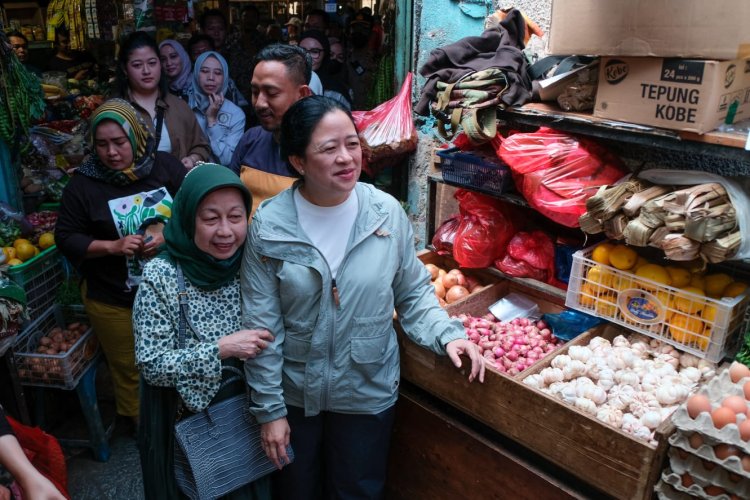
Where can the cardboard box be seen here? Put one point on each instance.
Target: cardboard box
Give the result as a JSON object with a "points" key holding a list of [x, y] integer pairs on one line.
{"points": [[680, 94], [664, 28]]}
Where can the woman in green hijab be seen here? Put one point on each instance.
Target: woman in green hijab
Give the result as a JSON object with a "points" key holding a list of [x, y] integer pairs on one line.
{"points": [[203, 242]]}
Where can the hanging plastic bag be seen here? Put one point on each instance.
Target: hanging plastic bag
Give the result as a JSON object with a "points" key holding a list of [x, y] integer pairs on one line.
{"points": [[485, 229], [530, 255], [445, 236], [387, 132], [557, 172]]}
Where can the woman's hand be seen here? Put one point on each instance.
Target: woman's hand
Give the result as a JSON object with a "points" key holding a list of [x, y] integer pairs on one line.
{"points": [[215, 101], [274, 437], [128, 245], [189, 162], [467, 347], [244, 344], [150, 246]]}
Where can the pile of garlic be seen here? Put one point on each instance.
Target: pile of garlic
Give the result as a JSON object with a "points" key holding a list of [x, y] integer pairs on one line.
{"points": [[632, 383]]}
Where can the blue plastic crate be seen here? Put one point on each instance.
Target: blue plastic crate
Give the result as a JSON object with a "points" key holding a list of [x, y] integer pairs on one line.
{"points": [[481, 173]]}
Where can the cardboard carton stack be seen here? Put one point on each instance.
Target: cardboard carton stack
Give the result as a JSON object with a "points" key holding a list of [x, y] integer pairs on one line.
{"points": [[678, 64]]}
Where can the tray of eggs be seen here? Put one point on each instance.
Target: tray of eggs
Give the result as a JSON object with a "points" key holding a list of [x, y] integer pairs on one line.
{"points": [[691, 474]]}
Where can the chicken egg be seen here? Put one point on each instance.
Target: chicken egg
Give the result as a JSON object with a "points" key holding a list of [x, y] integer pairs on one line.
{"points": [[687, 480], [738, 371], [746, 390], [734, 477], [697, 404], [714, 491], [708, 465], [723, 416], [735, 403], [695, 440], [745, 430], [682, 453], [724, 451], [746, 463]]}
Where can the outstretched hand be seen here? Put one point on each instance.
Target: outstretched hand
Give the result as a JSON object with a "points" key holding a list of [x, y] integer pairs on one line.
{"points": [[463, 346]]}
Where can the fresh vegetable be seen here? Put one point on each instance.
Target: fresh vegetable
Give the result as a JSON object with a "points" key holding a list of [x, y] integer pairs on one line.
{"points": [[452, 285], [510, 346]]}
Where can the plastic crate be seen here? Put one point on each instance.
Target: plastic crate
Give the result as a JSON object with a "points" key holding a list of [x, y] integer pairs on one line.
{"points": [[54, 370], [471, 170], [40, 278], [649, 307]]}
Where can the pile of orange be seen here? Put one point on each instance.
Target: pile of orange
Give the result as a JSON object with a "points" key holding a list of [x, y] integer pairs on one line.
{"points": [[690, 316], [24, 250]]}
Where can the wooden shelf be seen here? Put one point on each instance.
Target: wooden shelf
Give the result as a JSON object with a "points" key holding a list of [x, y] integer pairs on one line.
{"points": [[725, 144]]}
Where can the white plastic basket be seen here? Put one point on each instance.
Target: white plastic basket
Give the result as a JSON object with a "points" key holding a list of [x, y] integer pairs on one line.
{"points": [[648, 307]]}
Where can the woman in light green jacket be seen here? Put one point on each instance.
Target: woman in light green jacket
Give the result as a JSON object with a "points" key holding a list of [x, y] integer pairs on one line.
{"points": [[326, 263]]}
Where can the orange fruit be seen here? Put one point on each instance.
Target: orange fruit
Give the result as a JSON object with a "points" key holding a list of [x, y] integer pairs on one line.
{"points": [[14, 262], [598, 275], [680, 276], [716, 283], [653, 272], [601, 253], [698, 281], [606, 305], [688, 330], [10, 252], [46, 240], [25, 251], [688, 303], [623, 257], [734, 289], [20, 241], [709, 313], [640, 263]]}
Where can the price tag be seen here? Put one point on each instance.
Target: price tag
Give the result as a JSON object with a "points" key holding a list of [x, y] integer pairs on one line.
{"points": [[747, 142]]}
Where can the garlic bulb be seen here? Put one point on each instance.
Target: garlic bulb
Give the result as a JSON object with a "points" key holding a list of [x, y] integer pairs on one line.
{"points": [[627, 377], [651, 419], [662, 368], [614, 360], [642, 432], [669, 394], [620, 341], [669, 358], [606, 383], [654, 344], [568, 394], [594, 393], [581, 353], [620, 396], [582, 381], [535, 380], [550, 375], [708, 369], [610, 416], [560, 361], [598, 343], [585, 405], [556, 387], [574, 369], [643, 402], [690, 375], [594, 366], [689, 360], [629, 421], [650, 382], [640, 349]]}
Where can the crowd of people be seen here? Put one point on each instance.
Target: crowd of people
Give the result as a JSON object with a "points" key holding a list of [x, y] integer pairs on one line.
{"points": [[254, 215]]}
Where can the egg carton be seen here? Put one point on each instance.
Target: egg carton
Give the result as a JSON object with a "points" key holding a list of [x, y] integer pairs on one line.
{"points": [[706, 452], [716, 390], [666, 491], [695, 490], [730, 481]]}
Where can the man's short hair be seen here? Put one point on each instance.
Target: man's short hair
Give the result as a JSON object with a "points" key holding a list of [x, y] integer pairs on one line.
{"points": [[18, 34], [197, 38], [296, 59], [212, 13]]}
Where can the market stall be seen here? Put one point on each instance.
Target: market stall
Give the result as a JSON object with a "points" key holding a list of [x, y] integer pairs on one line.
{"points": [[651, 246]]}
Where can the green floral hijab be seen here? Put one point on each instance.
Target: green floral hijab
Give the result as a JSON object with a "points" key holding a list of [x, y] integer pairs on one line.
{"points": [[203, 270]]}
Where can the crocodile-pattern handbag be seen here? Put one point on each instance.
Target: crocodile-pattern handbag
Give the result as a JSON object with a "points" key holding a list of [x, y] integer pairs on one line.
{"points": [[217, 450]]}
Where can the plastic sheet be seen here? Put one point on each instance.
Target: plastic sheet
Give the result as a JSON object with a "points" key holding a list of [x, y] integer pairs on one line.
{"points": [[557, 172]]}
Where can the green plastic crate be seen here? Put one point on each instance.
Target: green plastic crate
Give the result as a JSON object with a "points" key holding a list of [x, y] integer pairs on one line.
{"points": [[40, 278]]}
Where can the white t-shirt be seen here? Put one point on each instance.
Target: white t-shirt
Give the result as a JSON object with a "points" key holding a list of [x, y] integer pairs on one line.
{"points": [[165, 143], [328, 227]]}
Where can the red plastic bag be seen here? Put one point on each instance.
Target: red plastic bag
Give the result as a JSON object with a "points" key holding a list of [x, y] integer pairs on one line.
{"points": [[557, 172], [445, 236], [387, 132], [530, 255], [485, 229], [44, 453]]}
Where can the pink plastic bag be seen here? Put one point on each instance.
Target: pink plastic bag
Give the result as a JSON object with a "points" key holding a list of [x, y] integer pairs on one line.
{"points": [[557, 172], [445, 236], [387, 132], [485, 229]]}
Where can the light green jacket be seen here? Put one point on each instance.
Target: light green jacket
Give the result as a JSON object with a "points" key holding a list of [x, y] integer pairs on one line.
{"points": [[327, 357]]}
